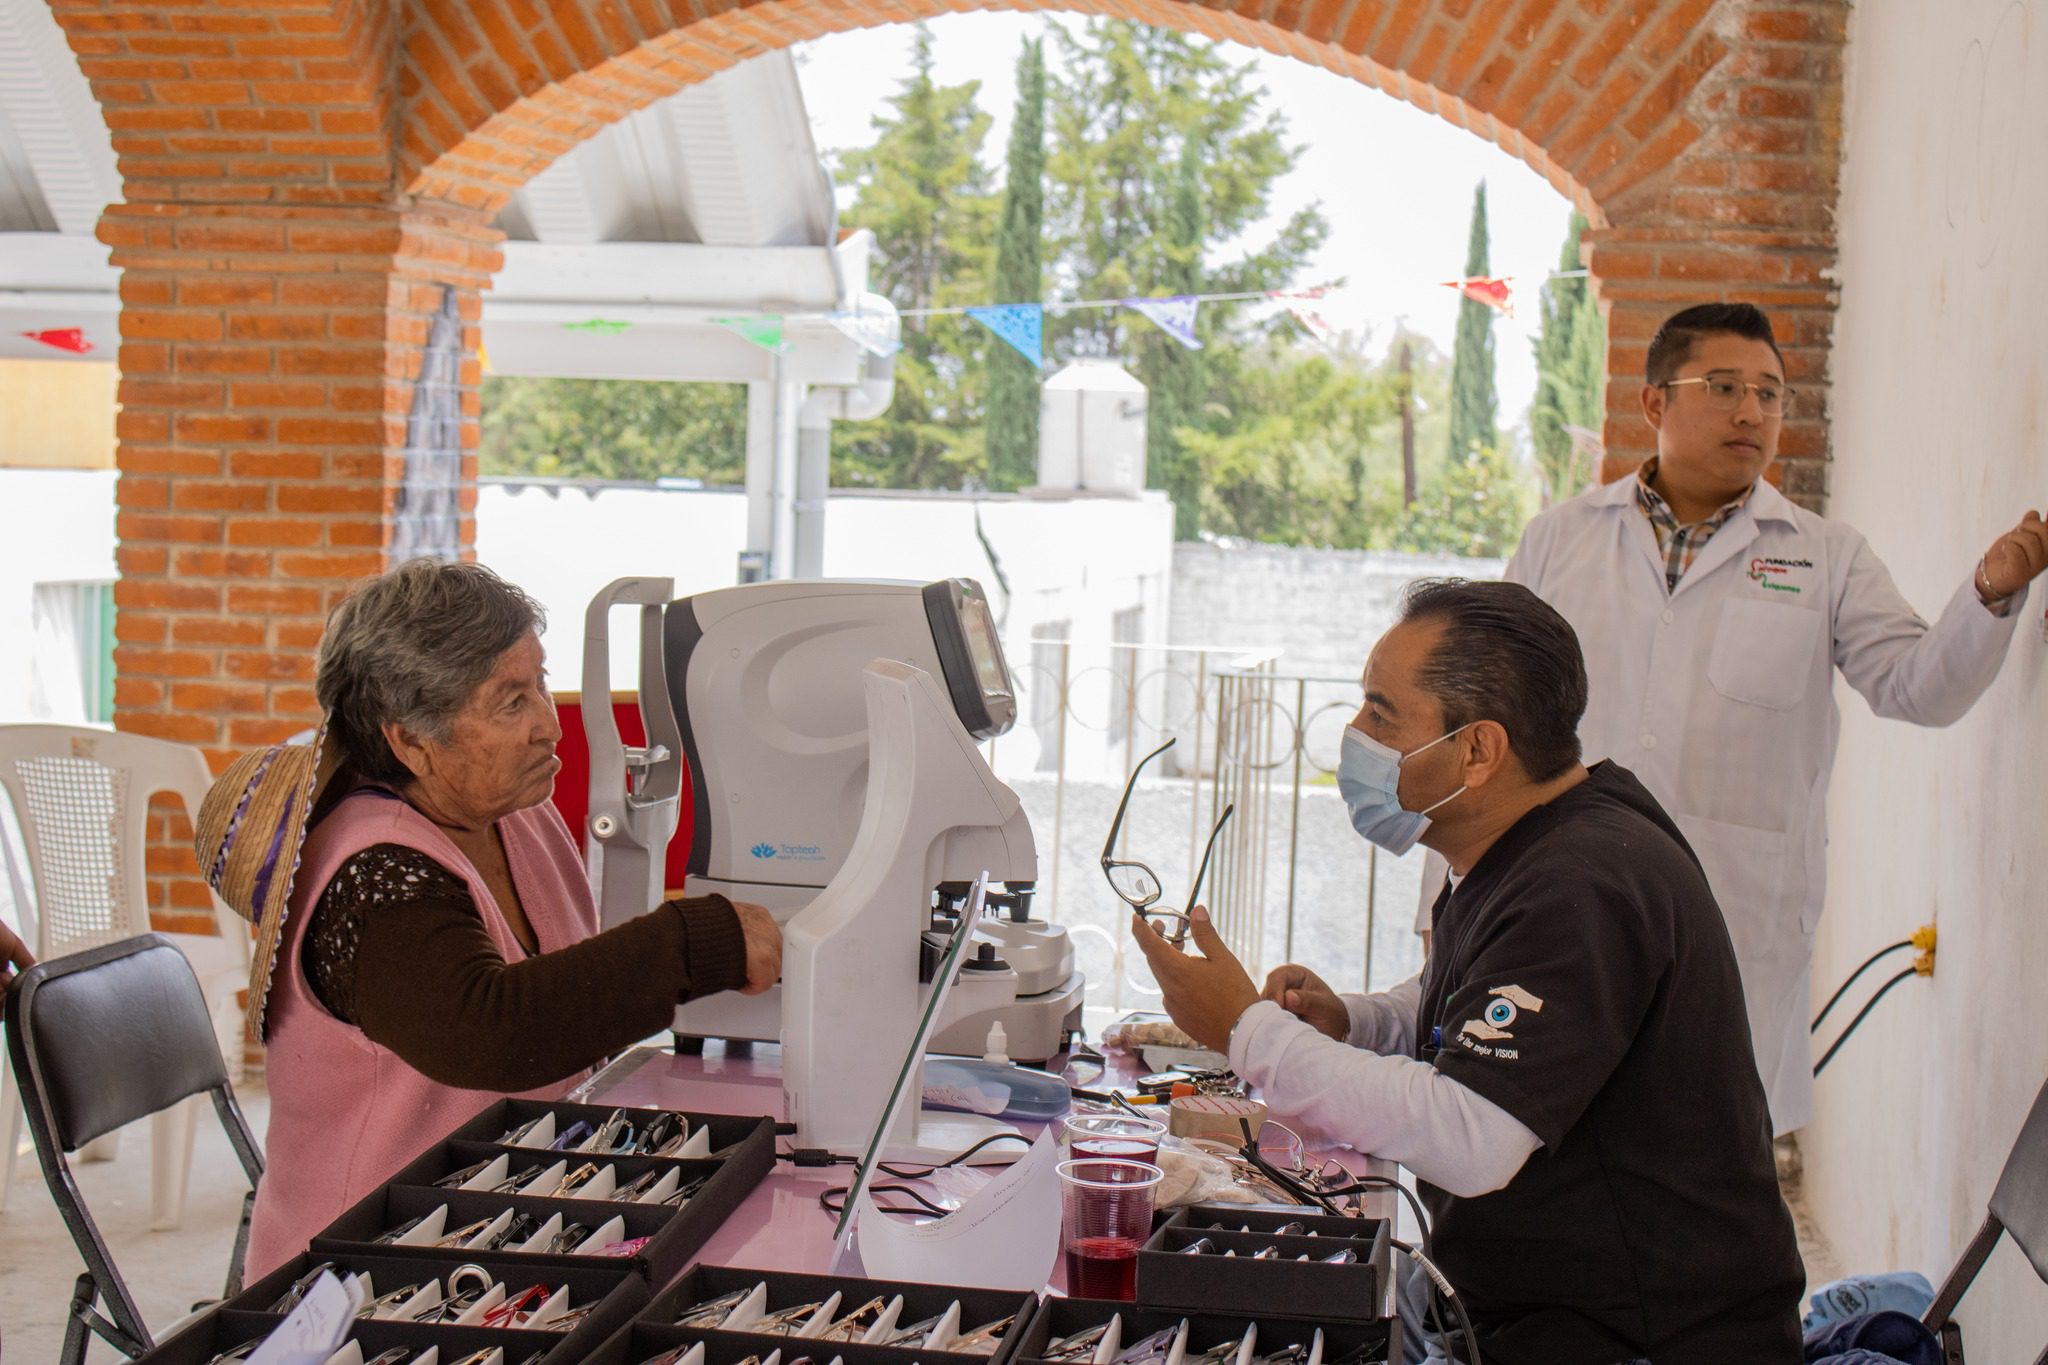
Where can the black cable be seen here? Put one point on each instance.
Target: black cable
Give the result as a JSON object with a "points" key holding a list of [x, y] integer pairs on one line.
{"points": [[1359, 1184], [1441, 1291], [926, 1209], [1868, 963], [919, 1172], [1829, 1054], [923, 1171]]}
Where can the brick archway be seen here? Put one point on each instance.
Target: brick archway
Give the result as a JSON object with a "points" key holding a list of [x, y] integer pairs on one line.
{"points": [[307, 182], [1699, 136]]}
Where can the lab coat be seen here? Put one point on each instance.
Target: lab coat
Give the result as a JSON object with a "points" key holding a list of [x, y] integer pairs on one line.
{"points": [[1719, 697]]}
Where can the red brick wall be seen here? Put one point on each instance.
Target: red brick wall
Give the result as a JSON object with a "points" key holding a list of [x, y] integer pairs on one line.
{"points": [[303, 178]]}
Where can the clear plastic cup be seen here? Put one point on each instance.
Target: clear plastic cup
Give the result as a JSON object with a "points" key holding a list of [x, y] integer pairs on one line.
{"points": [[1105, 1216], [1112, 1137]]}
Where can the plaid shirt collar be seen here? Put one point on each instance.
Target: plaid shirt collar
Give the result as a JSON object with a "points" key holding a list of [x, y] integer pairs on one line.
{"points": [[1680, 544]]}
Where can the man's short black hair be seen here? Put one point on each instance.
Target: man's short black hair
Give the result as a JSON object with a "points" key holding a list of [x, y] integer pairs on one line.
{"points": [[1505, 656], [1672, 346]]}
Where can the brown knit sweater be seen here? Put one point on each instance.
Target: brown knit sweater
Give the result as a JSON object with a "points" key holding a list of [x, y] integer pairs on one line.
{"points": [[396, 947]]}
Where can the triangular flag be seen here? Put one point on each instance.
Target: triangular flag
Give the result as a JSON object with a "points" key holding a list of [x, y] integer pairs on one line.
{"points": [[876, 333], [598, 326], [763, 329], [1491, 292], [1298, 304], [1174, 316], [63, 338], [1020, 324]]}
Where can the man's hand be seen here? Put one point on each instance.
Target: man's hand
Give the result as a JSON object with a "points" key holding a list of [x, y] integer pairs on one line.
{"points": [[2014, 560], [764, 947], [1303, 994], [14, 954], [1206, 994]]}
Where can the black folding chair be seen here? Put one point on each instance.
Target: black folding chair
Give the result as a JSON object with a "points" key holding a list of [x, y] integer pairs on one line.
{"points": [[2019, 1205], [97, 1040]]}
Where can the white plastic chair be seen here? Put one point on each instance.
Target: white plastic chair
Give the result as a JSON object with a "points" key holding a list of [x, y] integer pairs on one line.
{"points": [[81, 798]]}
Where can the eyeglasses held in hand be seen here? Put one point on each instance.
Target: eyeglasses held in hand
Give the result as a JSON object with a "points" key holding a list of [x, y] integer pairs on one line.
{"points": [[1137, 885]]}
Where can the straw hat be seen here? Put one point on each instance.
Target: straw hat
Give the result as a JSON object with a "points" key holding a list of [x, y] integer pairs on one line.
{"points": [[248, 835]]}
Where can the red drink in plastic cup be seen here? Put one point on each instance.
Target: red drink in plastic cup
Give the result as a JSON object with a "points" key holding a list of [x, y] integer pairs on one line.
{"points": [[1103, 1268], [1115, 1148], [1105, 1216]]}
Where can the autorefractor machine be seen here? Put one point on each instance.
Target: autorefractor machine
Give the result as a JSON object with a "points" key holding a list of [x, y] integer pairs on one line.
{"points": [[846, 796]]}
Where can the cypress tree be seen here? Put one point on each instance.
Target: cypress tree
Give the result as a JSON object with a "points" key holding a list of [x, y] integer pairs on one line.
{"points": [[1012, 383], [1571, 359], [1473, 402], [1172, 372]]}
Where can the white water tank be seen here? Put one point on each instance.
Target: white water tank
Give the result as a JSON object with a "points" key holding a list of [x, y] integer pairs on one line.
{"points": [[1091, 430]]}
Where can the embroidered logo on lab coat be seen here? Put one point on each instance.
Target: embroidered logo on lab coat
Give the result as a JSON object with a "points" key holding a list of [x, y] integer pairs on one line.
{"points": [[1506, 1006], [1780, 575]]}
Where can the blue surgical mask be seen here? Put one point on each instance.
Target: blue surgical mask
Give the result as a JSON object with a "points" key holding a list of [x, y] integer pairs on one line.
{"points": [[1369, 776]]}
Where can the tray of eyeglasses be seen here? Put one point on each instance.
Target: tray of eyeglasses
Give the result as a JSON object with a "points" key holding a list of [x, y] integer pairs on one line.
{"points": [[1223, 1258], [1102, 1332], [485, 1316], [584, 1303], [723, 1315], [565, 1185]]}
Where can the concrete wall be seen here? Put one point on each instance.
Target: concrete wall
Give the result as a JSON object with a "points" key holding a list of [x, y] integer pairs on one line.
{"points": [[1325, 608], [1939, 408]]}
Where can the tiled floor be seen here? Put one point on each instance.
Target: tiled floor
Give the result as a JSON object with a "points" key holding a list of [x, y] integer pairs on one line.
{"points": [[170, 1271]]}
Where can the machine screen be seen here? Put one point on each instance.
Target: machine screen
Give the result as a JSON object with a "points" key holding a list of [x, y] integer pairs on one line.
{"points": [[971, 656], [981, 644]]}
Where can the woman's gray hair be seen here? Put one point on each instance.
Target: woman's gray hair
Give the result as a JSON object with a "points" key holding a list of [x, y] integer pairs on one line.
{"points": [[410, 646]]}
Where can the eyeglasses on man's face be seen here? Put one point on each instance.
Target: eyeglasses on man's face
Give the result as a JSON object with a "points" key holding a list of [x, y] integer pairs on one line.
{"points": [[1724, 393], [1137, 885]]}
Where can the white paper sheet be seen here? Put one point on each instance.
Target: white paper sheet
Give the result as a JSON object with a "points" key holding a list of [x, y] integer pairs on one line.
{"points": [[315, 1329], [1005, 1236]]}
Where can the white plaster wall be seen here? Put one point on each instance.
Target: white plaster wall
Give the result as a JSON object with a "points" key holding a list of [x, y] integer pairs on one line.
{"points": [[1078, 560], [1940, 443]]}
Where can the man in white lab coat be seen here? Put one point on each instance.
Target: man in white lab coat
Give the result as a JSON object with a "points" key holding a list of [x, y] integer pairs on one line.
{"points": [[1713, 612]]}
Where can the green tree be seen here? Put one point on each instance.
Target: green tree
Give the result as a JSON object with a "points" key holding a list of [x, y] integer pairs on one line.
{"points": [[1474, 507], [1012, 382], [1172, 372], [614, 429], [1290, 462], [1164, 157], [1571, 379], [1473, 402], [923, 191]]}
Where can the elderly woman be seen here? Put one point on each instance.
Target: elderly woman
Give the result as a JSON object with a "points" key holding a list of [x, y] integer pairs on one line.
{"points": [[437, 946]]}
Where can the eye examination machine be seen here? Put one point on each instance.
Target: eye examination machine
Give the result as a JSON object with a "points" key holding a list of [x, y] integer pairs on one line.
{"points": [[829, 733]]}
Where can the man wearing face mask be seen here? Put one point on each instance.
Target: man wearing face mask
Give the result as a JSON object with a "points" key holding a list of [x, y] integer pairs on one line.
{"points": [[1570, 1080]]}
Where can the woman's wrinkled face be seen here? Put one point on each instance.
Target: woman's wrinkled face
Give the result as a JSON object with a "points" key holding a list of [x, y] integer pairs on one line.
{"points": [[500, 753]]}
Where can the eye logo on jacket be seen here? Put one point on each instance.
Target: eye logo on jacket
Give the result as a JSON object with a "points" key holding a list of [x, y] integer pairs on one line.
{"points": [[1506, 1006]]}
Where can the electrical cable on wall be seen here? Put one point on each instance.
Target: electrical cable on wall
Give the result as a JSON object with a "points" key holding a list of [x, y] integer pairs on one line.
{"points": [[1923, 965]]}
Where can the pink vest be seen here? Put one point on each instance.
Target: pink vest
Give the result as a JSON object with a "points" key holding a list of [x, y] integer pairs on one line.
{"points": [[345, 1113]]}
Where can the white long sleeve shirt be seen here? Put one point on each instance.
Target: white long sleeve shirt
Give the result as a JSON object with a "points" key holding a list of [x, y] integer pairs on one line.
{"points": [[1371, 1092]]}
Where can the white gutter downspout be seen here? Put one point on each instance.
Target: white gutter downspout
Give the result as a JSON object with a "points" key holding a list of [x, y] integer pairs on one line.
{"points": [[868, 399]]}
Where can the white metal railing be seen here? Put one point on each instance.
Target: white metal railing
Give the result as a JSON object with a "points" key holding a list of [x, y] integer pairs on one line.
{"points": [[1289, 880]]}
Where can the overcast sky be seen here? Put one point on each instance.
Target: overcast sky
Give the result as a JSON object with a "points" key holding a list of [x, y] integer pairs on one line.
{"points": [[1395, 182]]}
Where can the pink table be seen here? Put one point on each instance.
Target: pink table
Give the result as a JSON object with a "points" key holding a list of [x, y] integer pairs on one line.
{"points": [[781, 1225]]}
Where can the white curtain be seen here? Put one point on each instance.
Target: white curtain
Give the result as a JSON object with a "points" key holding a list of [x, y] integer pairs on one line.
{"points": [[64, 678]]}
